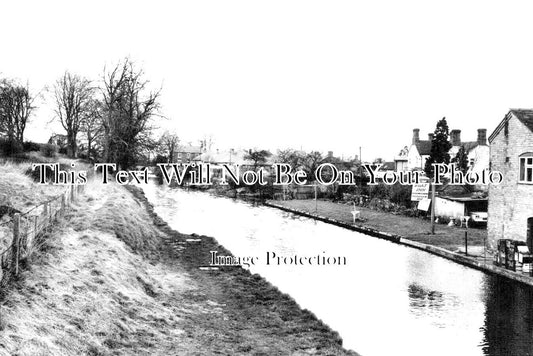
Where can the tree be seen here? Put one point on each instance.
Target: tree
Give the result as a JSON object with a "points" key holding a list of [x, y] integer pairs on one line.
{"points": [[257, 157], [311, 162], [291, 157], [16, 107], [439, 147], [72, 97], [461, 159], [207, 143], [169, 142], [91, 126], [128, 110]]}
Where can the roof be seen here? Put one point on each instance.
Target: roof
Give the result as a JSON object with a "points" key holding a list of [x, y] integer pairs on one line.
{"points": [[469, 145], [388, 166], [188, 149], [525, 116], [221, 157], [423, 147], [463, 199]]}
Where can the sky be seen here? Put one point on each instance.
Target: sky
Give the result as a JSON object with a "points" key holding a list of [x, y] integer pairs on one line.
{"points": [[312, 75]]}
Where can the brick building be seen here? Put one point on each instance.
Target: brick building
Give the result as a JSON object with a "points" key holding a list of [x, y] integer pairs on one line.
{"points": [[511, 202]]}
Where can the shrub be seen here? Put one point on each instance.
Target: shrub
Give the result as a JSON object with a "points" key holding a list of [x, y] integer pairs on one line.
{"points": [[31, 146], [10, 147], [401, 194], [49, 150]]}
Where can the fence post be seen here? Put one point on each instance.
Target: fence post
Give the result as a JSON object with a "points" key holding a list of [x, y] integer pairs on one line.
{"points": [[63, 205], [16, 241], [35, 226], [45, 214]]}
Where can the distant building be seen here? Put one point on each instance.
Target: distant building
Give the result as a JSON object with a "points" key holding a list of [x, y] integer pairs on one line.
{"points": [[478, 151], [186, 154], [414, 157], [419, 151], [58, 140], [401, 160], [511, 202]]}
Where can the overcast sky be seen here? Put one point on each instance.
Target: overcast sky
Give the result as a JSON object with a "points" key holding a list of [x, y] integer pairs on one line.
{"points": [[328, 75]]}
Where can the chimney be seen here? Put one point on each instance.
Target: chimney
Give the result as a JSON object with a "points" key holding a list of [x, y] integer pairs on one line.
{"points": [[430, 136], [330, 154], [416, 136], [455, 137], [482, 137]]}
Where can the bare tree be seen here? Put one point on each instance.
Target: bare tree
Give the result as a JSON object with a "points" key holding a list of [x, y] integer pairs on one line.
{"points": [[311, 162], [128, 110], [169, 141], [16, 106], [91, 126], [72, 96]]}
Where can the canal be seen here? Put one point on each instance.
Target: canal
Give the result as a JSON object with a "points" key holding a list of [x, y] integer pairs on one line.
{"points": [[387, 299]]}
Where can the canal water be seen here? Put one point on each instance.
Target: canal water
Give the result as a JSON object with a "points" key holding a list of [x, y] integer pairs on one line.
{"points": [[388, 299]]}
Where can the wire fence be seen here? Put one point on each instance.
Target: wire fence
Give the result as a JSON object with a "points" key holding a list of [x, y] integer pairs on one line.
{"points": [[29, 230]]}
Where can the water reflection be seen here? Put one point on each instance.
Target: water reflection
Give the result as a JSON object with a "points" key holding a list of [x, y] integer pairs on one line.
{"points": [[388, 299], [508, 328]]}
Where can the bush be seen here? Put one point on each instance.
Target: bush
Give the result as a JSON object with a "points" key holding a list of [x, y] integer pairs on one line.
{"points": [[31, 146], [401, 194], [10, 147], [49, 150]]}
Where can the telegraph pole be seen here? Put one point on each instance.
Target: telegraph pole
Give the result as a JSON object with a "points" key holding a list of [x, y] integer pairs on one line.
{"points": [[433, 206], [360, 174]]}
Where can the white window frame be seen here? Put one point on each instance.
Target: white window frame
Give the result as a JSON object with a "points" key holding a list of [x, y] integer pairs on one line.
{"points": [[525, 165], [179, 154]]}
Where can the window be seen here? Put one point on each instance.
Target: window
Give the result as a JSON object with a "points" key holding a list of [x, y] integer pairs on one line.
{"points": [[526, 168], [179, 154]]}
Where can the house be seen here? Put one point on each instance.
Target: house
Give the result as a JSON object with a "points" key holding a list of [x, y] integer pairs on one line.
{"points": [[220, 157], [186, 154], [478, 151], [419, 151], [386, 167], [58, 140], [401, 160], [414, 157], [511, 201]]}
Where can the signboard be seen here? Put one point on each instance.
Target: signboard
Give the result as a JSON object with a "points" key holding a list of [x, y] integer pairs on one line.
{"points": [[424, 204], [420, 191]]}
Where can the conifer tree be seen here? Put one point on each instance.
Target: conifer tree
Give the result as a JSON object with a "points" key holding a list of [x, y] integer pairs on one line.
{"points": [[439, 147]]}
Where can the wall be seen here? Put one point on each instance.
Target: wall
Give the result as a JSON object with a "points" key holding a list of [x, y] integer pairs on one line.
{"points": [[510, 203], [449, 208]]}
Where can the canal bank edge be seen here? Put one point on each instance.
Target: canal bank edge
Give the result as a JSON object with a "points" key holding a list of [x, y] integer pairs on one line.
{"points": [[325, 338], [438, 251]]}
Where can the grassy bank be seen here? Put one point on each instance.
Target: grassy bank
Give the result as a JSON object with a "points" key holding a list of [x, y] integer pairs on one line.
{"points": [[415, 229], [116, 280]]}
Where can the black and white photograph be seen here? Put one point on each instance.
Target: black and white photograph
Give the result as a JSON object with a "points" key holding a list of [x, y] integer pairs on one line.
{"points": [[266, 178]]}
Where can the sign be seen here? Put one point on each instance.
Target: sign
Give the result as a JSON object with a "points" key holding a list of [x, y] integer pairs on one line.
{"points": [[420, 191], [424, 204]]}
